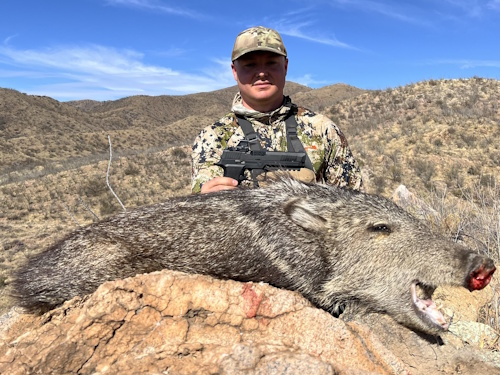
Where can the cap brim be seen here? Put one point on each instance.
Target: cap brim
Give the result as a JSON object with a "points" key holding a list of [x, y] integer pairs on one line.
{"points": [[266, 49]]}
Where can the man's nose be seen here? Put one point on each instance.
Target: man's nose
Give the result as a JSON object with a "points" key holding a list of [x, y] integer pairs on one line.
{"points": [[261, 72]]}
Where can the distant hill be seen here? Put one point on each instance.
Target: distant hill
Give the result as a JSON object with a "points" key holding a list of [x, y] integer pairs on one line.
{"points": [[37, 130], [319, 99], [428, 135]]}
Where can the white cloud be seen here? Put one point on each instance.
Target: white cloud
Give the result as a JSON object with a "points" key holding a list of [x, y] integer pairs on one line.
{"points": [[152, 5], [296, 30], [171, 52], [475, 8], [308, 80], [466, 63], [9, 38], [102, 73], [470, 7], [93, 59], [305, 30], [389, 10]]}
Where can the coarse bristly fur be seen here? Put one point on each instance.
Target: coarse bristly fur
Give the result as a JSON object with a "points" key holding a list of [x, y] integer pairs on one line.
{"points": [[332, 245]]}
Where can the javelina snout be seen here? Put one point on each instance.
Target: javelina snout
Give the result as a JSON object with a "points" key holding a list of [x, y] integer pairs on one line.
{"points": [[334, 246], [478, 276], [480, 273]]}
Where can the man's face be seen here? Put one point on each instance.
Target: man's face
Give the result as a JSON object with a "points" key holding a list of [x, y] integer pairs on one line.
{"points": [[261, 79]]}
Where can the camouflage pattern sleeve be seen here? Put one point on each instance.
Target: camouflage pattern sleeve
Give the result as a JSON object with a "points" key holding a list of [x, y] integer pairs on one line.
{"points": [[328, 150], [341, 168], [207, 150]]}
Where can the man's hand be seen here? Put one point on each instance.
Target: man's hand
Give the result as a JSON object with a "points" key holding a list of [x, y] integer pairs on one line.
{"points": [[218, 184]]}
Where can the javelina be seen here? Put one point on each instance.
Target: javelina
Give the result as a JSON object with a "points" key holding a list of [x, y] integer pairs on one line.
{"points": [[334, 246]]}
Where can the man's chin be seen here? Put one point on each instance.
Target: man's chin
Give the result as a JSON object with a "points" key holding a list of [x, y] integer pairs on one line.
{"points": [[265, 92], [263, 98]]}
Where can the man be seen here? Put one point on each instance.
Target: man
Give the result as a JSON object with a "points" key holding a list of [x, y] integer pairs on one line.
{"points": [[259, 64]]}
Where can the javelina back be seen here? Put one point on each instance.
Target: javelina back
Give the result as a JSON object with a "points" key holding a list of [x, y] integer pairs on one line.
{"points": [[332, 245]]}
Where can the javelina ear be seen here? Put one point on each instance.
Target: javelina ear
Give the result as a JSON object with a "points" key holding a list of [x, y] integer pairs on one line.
{"points": [[305, 214]]}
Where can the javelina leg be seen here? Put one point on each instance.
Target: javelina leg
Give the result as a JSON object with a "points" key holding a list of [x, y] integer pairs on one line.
{"points": [[481, 273]]}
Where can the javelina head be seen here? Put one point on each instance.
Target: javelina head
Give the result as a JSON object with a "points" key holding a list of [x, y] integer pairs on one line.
{"points": [[381, 258]]}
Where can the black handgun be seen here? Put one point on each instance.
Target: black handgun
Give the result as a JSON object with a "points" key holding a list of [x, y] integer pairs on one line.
{"points": [[235, 160]]}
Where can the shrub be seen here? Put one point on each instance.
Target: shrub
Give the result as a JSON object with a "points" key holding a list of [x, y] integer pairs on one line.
{"points": [[438, 142], [106, 207], [132, 170], [94, 187], [380, 183], [179, 153]]}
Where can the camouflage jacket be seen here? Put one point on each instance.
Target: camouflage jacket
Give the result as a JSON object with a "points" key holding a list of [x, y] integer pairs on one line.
{"points": [[323, 141]]}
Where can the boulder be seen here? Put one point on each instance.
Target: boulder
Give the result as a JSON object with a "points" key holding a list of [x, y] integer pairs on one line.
{"points": [[175, 323]]}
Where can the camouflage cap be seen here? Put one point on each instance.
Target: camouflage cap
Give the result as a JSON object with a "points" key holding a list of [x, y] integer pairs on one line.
{"points": [[258, 38]]}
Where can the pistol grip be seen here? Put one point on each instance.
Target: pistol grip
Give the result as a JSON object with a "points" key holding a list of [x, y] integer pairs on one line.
{"points": [[236, 172]]}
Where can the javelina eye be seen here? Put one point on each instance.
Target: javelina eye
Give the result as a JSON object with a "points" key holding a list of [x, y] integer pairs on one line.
{"points": [[384, 228]]}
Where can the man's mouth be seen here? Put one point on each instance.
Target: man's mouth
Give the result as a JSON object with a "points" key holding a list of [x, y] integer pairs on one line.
{"points": [[426, 309]]}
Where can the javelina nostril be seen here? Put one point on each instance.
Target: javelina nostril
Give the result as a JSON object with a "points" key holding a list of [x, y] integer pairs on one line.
{"points": [[481, 276]]}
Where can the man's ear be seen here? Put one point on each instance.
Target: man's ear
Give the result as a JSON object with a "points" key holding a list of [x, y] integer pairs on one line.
{"points": [[304, 213], [286, 65], [235, 73]]}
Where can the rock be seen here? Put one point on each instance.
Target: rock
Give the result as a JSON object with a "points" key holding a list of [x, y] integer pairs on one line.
{"points": [[475, 334], [408, 201], [465, 308], [462, 304], [175, 323], [191, 324], [430, 355]]}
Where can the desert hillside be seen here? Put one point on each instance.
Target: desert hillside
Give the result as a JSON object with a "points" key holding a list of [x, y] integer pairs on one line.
{"points": [[440, 138], [432, 134], [40, 131]]}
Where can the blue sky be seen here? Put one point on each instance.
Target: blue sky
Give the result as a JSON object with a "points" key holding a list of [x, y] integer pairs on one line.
{"points": [[110, 49]]}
